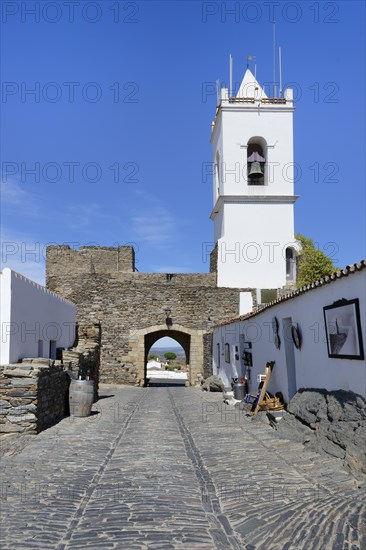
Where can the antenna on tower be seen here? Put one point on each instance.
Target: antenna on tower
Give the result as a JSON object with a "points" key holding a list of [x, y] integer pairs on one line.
{"points": [[231, 76], [217, 92], [280, 67], [274, 60]]}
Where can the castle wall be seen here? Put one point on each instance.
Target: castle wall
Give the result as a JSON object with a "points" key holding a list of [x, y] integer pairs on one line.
{"points": [[129, 305]]}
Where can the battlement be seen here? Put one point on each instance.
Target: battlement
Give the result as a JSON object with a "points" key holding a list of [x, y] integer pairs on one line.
{"points": [[61, 259]]}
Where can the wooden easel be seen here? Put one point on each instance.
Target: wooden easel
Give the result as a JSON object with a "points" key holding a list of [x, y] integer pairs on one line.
{"points": [[267, 373]]}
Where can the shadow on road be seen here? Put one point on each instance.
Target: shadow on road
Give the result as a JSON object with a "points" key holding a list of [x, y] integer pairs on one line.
{"points": [[163, 382], [105, 396]]}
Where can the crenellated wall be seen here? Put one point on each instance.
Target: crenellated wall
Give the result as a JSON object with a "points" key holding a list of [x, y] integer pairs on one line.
{"points": [[90, 259]]}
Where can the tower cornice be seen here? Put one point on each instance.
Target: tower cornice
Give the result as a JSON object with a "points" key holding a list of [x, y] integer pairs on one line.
{"points": [[235, 104], [257, 199]]}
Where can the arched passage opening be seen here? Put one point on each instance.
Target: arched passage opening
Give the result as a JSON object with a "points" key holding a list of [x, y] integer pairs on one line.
{"points": [[190, 339], [183, 339]]}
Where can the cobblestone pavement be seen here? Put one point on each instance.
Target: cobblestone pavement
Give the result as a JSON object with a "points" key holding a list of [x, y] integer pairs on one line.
{"points": [[170, 467]]}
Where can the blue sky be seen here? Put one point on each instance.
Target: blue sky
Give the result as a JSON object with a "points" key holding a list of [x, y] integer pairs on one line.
{"points": [[118, 128]]}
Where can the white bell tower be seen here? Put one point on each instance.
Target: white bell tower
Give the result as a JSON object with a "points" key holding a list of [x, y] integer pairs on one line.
{"points": [[253, 190]]}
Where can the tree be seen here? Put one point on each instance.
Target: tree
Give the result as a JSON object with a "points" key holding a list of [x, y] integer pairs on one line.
{"points": [[313, 263], [153, 358], [169, 355]]}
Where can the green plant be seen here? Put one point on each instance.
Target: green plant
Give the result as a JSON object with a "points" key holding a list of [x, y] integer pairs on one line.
{"points": [[169, 355], [153, 358], [313, 263]]}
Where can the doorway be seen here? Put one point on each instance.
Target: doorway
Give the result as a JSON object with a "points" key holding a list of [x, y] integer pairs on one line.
{"points": [[290, 357]]}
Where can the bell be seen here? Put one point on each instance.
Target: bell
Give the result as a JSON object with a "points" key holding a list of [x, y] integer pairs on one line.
{"points": [[255, 170]]}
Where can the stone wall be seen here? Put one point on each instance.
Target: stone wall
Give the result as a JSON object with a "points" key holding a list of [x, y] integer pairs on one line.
{"points": [[214, 259], [85, 355], [33, 396], [207, 354], [90, 259], [329, 422], [129, 305], [34, 393]]}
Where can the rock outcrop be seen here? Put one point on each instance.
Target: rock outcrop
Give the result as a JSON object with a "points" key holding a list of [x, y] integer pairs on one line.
{"points": [[213, 383], [329, 422]]}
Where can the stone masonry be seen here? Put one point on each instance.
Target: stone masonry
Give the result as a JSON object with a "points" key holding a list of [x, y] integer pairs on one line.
{"points": [[33, 396], [34, 393], [85, 355], [130, 305]]}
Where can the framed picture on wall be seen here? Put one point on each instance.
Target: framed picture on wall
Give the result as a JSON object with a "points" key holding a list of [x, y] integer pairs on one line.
{"points": [[343, 329], [227, 353]]}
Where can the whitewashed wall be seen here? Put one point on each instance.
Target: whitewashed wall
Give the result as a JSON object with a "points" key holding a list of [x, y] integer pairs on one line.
{"points": [[312, 366], [31, 317], [252, 250], [5, 281]]}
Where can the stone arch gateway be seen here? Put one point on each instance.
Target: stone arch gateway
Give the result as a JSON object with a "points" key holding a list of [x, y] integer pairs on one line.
{"points": [[191, 341], [130, 307]]}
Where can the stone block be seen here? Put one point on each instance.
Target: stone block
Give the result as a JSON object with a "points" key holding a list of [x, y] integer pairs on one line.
{"points": [[25, 392], [11, 428], [22, 418], [22, 409], [21, 382], [19, 372]]}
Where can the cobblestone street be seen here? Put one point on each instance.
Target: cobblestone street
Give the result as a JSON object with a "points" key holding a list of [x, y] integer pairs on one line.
{"points": [[169, 467]]}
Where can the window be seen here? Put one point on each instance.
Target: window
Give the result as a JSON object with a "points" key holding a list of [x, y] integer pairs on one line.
{"points": [[227, 353], [290, 264], [40, 348], [218, 356], [52, 349]]}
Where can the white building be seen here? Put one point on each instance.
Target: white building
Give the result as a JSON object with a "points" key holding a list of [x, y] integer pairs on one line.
{"points": [[312, 347], [34, 320], [252, 144], [154, 364]]}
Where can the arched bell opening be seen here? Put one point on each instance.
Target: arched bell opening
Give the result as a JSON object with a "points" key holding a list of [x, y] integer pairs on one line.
{"points": [[256, 161], [290, 265]]}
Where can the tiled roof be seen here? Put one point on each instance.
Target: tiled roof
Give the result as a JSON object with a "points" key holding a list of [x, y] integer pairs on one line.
{"points": [[346, 272]]}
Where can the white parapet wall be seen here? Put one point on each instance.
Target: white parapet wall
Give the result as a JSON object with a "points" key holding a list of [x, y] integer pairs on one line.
{"points": [[34, 320], [252, 339]]}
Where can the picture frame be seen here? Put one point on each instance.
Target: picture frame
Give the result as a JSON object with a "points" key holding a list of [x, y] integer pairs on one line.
{"points": [[343, 329], [227, 353]]}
